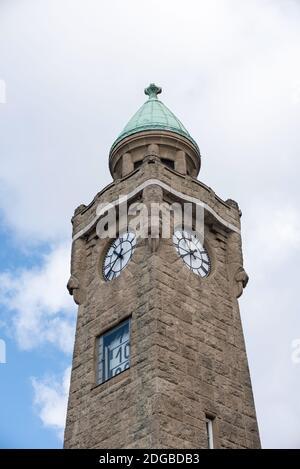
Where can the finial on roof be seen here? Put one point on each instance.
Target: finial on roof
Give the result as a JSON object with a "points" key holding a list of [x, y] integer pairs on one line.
{"points": [[152, 91]]}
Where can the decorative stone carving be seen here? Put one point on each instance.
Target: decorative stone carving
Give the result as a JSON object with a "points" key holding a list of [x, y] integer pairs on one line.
{"points": [[153, 149], [237, 274], [241, 279], [152, 153], [73, 288], [75, 284], [153, 195]]}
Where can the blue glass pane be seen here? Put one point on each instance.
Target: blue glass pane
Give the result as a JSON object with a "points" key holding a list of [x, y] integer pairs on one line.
{"points": [[116, 351]]}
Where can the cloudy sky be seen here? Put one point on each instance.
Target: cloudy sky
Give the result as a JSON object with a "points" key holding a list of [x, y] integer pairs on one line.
{"points": [[72, 72]]}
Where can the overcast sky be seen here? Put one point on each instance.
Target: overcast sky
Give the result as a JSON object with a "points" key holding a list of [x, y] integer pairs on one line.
{"points": [[74, 73]]}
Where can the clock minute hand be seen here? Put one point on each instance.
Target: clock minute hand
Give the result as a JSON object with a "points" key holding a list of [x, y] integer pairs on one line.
{"points": [[124, 253], [113, 264]]}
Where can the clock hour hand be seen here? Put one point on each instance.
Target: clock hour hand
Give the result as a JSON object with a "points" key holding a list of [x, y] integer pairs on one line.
{"points": [[190, 253], [124, 253], [119, 254]]}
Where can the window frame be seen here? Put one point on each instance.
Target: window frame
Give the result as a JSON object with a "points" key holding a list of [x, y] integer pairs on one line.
{"points": [[210, 437], [102, 358]]}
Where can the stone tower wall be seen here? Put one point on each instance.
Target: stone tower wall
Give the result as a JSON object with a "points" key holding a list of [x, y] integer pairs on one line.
{"points": [[188, 358]]}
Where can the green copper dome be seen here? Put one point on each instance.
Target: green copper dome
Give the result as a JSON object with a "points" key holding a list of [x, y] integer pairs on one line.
{"points": [[153, 115]]}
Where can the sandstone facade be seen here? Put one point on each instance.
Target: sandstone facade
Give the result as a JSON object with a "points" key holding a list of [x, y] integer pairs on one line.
{"points": [[188, 358]]}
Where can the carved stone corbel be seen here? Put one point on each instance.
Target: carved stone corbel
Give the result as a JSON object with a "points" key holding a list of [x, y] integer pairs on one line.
{"points": [[152, 150], [241, 279], [152, 154], [237, 274], [75, 284], [153, 199]]}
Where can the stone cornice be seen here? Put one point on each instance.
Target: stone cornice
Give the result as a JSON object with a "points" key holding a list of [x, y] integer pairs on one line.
{"points": [[184, 197]]}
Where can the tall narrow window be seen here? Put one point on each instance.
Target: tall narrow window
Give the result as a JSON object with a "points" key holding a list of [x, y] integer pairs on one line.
{"points": [[114, 352], [209, 432]]}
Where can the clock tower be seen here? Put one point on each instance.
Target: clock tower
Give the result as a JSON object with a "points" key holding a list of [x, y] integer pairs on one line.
{"points": [[156, 270]]}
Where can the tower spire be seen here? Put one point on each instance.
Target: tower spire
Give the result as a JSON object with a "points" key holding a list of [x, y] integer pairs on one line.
{"points": [[153, 115]]}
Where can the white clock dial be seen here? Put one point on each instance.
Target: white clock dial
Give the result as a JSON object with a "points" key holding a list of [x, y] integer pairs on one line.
{"points": [[118, 255], [192, 252]]}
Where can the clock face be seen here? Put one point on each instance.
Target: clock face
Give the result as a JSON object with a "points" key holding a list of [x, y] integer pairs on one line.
{"points": [[118, 255], [192, 252]]}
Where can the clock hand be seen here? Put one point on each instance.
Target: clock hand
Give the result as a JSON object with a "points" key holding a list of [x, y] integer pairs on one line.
{"points": [[200, 257], [185, 240], [196, 257], [180, 247], [190, 253], [124, 253], [188, 239], [119, 254], [113, 264], [190, 244], [186, 254]]}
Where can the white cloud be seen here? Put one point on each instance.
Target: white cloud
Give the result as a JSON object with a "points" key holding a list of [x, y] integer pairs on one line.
{"points": [[230, 74], [42, 311], [51, 399], [2, 92], [273, 231], [270, 314]]}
